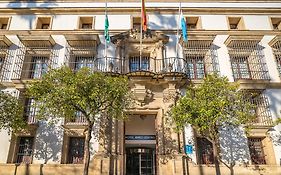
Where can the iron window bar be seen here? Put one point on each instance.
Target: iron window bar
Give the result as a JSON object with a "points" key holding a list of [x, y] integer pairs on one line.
{"points": [[247, 59], [276, 48]]}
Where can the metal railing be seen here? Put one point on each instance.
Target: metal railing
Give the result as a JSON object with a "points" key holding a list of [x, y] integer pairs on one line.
{"points": [[261, 110], [248, 61], [277, 53], [34, 62], [78, 119], [5, 63], [30, 111]]}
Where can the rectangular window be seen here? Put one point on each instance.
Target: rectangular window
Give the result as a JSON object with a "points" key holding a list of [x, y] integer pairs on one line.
{"points": [[205, 151], [1, 63], [43, 23], [81, 62], [25, 150], [193, 22], [276, 23], [256, 150], [195, 67], [39, 66], [278, 61], [138, 63], [240, 67], [86, 22], [76, 150], [30, 111], [4, 23], [136, 23], [236, 23]]}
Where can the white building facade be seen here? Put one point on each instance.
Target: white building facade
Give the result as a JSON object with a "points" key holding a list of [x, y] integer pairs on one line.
{"points": [[240, 40]]}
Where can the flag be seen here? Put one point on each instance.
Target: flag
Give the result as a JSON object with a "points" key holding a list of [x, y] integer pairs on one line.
{"points": [[106, 32], [143, 16], [183, 28]]}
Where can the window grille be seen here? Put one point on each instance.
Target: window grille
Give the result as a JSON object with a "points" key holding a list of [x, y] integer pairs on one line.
{"points": [[30, 111], [25, 150], [5, 63], [247, 60], [276, 47], [77, 119], [76, 150], [34, 62], [262, 112], [205, 151], [200, 58], [85, 56], [137, 63], [256, 150]]}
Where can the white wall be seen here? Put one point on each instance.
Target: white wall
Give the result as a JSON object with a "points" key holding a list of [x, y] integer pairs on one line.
{"points": [[4, 146], [214, 22], [257, 22]]}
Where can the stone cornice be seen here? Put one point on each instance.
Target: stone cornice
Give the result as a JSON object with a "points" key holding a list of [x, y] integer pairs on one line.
{"points": [[136, 10], [164, 31]]}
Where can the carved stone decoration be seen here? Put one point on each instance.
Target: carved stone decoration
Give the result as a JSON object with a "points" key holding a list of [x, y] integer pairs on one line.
{"points": [[170, 94], [142, 95]]}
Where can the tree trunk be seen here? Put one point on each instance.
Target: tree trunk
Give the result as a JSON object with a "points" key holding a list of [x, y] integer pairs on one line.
{"points": [[216, 157], [87, 149]]}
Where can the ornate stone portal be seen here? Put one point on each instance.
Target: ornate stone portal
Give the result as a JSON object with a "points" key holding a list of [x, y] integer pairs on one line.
{"points": [[154, 91]]}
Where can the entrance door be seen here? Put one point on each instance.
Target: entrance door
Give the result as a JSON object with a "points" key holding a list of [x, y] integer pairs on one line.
{"points": [[140, 161]]}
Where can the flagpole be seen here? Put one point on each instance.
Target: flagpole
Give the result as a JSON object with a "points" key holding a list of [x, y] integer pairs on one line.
{"points": [[178, 28], [141, 35], [105, 41]]}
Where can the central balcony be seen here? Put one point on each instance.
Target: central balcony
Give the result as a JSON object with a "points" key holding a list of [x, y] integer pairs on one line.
{"points": [[135, 65]]}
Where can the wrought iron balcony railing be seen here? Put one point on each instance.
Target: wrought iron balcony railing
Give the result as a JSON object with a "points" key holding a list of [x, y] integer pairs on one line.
{"points": [[186, 67], [78, 119]]}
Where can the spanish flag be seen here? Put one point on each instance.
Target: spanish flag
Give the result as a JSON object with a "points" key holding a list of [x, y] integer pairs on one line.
{"points": [[143, 16]]}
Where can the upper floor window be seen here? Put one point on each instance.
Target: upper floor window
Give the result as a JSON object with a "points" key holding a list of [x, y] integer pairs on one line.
{"points": [[236, 23], [205, 151], [1, 62], [83, 61], [200, 58], [240, 67], [76, 150], [193, 22], [4, 23], [136, 23], [30, 111], [43, 23], [276, 23], [24, 150], [137, 63], [86, 22], [247, 58], [195, 67], [256, 150], [39, 66]]}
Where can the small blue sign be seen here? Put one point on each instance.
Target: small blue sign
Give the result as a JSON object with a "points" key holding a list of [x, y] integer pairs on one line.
{"points": [[188, 149]]}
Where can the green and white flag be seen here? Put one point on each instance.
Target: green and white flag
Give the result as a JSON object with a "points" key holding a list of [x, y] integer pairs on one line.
{"points": [[106, 32]]}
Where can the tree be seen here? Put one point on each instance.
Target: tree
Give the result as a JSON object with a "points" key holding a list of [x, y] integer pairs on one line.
{"points": [[211, 105], [11, 113], [63, 92]]}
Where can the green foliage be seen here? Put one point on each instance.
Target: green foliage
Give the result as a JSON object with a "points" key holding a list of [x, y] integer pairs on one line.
{"points": [[212, 104], [63, 92], [11, 113]]}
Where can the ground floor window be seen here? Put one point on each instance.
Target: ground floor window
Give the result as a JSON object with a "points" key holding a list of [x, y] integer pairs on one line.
{"points": [[76, 150], [256, 150], [205, 151], [25, 150]]}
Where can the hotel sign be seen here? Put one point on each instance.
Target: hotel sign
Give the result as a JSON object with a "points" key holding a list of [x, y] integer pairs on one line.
{"points": [[140, 137]]}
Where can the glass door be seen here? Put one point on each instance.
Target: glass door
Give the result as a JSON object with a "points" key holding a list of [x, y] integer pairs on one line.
{"points": [[140, 161]]}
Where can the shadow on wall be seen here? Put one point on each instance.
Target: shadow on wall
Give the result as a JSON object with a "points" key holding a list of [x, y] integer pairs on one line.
{"points": [[48, 142], [16, 4], [233, 146]]}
